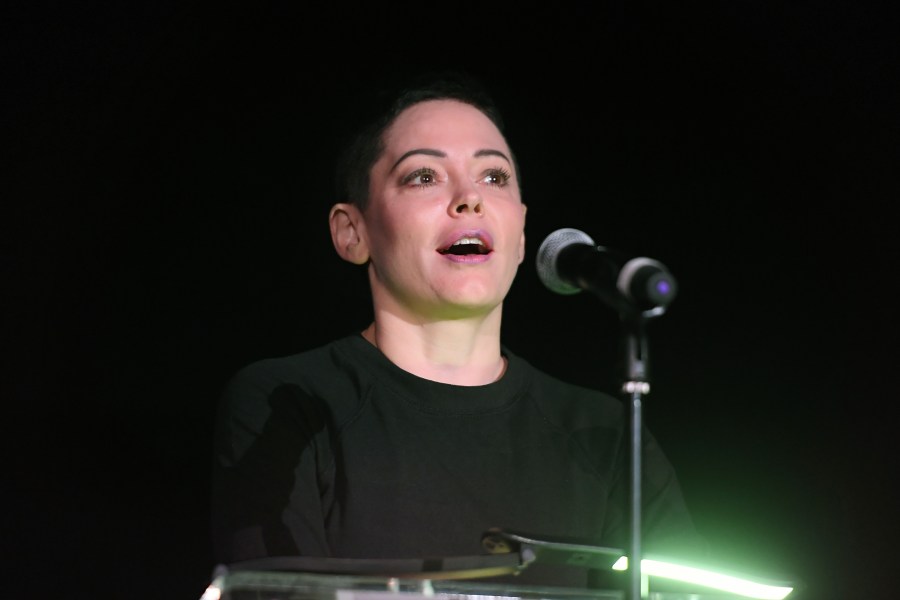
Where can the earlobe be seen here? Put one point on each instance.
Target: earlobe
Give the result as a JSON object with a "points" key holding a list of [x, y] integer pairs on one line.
{"points": [[346, 224]]}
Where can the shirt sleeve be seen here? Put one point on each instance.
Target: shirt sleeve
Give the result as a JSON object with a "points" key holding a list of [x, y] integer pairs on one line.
{"points": [[267, 479], [667, 528]]}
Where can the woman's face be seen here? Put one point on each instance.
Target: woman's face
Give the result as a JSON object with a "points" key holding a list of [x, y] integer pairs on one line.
{"points": [[445, 221]]}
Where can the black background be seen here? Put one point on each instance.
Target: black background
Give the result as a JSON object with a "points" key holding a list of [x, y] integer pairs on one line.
{"points": [[169, 174]]}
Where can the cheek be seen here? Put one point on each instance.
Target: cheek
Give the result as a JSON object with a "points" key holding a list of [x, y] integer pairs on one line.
{"points": [[515, 222], [393, 235]]}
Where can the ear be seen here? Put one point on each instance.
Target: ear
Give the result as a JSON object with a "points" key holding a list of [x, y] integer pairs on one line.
{"points": [[347, 233], [522, 239]]}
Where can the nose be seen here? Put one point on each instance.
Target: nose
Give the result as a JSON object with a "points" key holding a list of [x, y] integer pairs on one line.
{"points": [[467, 200]]}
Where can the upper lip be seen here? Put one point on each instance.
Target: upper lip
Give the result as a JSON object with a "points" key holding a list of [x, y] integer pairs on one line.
{"points": [[468, 237]]}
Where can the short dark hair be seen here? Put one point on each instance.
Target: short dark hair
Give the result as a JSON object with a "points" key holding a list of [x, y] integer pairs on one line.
{"points": [[364, 148]]}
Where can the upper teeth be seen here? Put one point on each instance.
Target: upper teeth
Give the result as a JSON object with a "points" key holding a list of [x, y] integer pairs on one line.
{"points": [[468, 240]]}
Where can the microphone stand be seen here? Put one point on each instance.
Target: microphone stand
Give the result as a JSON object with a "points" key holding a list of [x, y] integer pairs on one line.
{"points": [[569, 262], [636, 385]]}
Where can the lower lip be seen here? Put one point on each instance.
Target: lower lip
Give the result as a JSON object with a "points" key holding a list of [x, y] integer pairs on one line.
{"points": [[468, 259]]}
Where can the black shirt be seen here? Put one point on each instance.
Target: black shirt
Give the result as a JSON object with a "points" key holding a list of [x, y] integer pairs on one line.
{"points": [[337, 452]]}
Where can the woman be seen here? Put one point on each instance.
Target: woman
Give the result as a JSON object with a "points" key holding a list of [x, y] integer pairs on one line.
{"points": [[416, 435]]}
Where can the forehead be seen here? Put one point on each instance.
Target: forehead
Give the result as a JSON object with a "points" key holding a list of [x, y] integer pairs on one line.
{"points": [[441, 124]]}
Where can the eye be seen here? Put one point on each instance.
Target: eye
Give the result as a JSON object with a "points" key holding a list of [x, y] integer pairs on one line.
{"points": [[420, 178], [497, 177]]}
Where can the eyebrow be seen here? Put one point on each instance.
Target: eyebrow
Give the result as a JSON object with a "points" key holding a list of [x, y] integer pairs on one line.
{"points": [[441, 154]]}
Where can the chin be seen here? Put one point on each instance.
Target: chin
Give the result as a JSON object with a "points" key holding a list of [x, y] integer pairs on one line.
{"points": [[468, 306]]}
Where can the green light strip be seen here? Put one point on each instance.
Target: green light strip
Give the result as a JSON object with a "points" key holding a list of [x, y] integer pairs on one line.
{"points": [[707, 578]]}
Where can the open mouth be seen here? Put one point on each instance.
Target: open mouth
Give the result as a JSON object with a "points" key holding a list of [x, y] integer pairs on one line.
{"points": [[466, 246]]}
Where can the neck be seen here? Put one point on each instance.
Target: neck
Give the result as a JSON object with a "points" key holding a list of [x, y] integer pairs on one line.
{"points": [[459, 352]]}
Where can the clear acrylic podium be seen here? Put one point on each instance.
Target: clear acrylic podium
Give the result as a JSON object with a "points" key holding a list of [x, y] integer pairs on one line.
{"points": [[455, 578], [267, 585]]}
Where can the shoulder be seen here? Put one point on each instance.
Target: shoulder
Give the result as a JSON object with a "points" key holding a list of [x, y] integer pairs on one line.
{"points": [[328, 374], [304, 368], [566, 403]]}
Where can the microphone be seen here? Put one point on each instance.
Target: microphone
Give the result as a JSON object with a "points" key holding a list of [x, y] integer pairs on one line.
{"points": [[568, 261]]}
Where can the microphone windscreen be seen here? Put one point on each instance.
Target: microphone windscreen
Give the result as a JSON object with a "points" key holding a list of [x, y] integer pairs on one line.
{"points": [[548, 258]]}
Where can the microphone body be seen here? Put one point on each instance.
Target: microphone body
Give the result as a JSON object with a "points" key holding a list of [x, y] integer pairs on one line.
{"points": [[568, 261]]}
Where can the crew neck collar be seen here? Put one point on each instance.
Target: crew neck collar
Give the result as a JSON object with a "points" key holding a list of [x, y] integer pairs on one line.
{"points": [[441, 398]]}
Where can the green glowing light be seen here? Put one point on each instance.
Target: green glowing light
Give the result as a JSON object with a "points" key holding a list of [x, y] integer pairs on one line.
{"points": [[705, 577]]}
